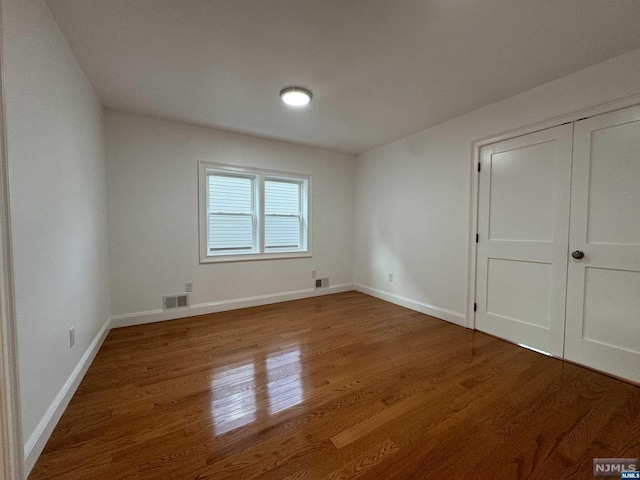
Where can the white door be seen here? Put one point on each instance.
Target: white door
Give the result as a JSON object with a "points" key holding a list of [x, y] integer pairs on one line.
{"points": [[603, 297], [523, 222]]}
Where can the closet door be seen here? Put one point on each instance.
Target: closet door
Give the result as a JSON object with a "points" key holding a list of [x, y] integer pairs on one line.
{"points": [[603, 297], [523, 221]]}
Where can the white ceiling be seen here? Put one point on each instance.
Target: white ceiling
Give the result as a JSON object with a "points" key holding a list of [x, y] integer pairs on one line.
{"points": [[379, 69]]}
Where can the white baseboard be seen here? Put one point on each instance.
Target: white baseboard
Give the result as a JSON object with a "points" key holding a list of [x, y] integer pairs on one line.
{"points": [[441, 313], [152, 316], [38, 439]]}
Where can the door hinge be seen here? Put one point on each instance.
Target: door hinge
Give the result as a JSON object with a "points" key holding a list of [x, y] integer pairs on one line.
{"points": [[479, 166], [475, 307], [477, 238]]}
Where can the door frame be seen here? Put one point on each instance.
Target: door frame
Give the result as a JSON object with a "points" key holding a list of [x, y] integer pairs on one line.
{"points": [[11, 445], [474, 178]]}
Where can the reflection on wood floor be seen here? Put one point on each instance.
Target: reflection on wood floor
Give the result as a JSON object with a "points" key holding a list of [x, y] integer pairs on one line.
{"points": [[334, 387]]}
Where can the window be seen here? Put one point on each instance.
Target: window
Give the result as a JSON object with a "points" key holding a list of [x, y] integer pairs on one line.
{"points": [[231, 214], [248, 214], [282, 215]]}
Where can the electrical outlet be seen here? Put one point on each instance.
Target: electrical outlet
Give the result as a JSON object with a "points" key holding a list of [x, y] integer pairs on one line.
{"points": [[72, 336], [390, 277], [313, 274], [188, 287]]}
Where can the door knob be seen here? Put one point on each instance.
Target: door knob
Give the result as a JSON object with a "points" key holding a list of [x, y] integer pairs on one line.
{"points": [[578, 254]]}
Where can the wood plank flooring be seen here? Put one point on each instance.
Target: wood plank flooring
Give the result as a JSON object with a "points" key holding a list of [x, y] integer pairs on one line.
{"points": [[336, 387]]}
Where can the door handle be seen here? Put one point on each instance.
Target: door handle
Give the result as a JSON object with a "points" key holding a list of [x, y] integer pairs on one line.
{"points": [[578, 255]]}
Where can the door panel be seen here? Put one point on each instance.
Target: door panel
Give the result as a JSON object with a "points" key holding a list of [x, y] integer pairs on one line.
{"points": [[611, 307], [523, 220], [603, 297], [614, 184], [521, 193], [510, 298]]}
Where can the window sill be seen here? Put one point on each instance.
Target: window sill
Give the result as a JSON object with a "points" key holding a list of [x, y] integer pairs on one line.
{"points": [[246, 257]]}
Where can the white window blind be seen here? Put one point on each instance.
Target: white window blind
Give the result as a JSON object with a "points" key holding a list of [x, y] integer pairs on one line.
{"points": [[231, 213], [282, 215]]}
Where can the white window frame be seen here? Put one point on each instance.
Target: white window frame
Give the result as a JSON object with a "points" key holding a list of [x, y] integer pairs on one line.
{"points": [[259, 177]]}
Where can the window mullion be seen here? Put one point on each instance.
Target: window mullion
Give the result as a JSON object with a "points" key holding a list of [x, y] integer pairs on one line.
{"points": [[260, 213]]}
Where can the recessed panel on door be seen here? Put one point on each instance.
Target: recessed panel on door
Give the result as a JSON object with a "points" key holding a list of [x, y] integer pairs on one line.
{"points": [[523, 219], [521, 193], [614, 181], [611, 308], [511, 298]]}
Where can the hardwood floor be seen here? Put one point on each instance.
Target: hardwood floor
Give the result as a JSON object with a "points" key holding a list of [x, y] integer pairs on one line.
{"points": [[334, 387]]}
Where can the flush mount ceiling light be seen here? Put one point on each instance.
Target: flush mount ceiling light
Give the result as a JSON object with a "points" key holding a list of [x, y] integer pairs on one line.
{"points": [[296, 96]]}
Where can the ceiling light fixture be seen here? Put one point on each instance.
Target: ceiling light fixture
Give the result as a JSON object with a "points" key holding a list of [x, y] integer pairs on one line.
{"points": [[296, 96]]}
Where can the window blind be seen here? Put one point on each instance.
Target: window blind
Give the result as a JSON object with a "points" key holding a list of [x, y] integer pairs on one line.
{"points": [[282, 216], [230, 206]]}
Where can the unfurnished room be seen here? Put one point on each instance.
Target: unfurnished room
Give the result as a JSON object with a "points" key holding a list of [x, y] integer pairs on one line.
{"points": [[320, 239]]}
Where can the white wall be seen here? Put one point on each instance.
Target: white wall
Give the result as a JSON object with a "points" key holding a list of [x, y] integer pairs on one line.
{"points": [[57, 177], [412, 195], [153, 214]]}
